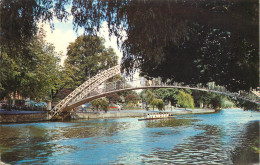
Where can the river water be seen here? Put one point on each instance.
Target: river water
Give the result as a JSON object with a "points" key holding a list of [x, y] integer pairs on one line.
{"points": [[226, 137]]}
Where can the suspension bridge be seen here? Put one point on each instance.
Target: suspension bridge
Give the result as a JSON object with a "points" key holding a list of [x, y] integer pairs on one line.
{"points": [[97, 87]]}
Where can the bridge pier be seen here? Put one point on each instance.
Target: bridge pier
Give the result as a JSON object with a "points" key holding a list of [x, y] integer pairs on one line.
{"points": [[48, 105]]}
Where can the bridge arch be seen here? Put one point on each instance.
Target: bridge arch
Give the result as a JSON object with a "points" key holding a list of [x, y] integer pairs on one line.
{"points": [[96, 88], [103, 94]]}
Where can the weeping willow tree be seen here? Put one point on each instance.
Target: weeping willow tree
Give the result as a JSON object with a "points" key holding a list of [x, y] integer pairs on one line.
{"points": [[185, 41], [185, 100]]}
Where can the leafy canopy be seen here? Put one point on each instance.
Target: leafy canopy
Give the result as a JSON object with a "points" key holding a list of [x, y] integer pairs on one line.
{"points": [[185, 100], [100, 103], [34, 78], [185, 41], [85, 58]]}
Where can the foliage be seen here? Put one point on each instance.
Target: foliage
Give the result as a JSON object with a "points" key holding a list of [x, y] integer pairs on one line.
{"points": [[201, 97], [168, 94], [177, 40], [35, 77], [215, 101], [131, 98], [113, 97], [86, 57], [122, 15], [153, 103], [246, 105], [115, 78], [149, 96], [185, 100], [125, 93], [100, 103], [159, 103], [130, 105], [19, 24], [226, 103], [61, 94], [212, 99], [211, 56], [198, 53]]}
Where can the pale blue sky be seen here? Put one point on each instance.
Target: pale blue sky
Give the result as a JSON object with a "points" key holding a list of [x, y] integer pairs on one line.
{"points": [[63, 34]]}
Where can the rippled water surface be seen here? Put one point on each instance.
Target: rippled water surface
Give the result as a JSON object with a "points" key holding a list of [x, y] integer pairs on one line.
{"points": [[227, 137]]}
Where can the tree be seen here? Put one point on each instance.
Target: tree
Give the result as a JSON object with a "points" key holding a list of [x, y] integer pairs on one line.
{"points": [[216, 101], [86, 57], [185, 100], [153, 103], [34, 78], [100, 103], [170, 18], [201, 99], [168, 95], [160, 104], [40, 80], [131, 98], [182, 41], [209, 55], [61, 94], [113, 97], [126, 93], [19, 25], [246, 105], [149, 96]]}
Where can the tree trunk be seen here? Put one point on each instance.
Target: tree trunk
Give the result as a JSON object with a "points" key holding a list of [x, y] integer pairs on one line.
{"points": [[13, 101], [201, 104]]}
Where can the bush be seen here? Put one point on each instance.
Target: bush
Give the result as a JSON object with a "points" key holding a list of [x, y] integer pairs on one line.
{"points": [[100, 103], [185, 100], [130, 104], [160, 104]]}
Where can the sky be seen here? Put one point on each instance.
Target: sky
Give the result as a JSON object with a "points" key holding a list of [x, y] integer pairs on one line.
{"points": [[63, 34]]}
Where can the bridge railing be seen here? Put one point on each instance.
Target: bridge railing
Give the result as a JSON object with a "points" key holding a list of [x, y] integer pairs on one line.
{"points": [[144, 83], [87, 86]]}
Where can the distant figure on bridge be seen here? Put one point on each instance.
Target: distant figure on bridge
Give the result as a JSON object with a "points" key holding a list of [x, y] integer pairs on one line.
{"points": [[150, 82]]}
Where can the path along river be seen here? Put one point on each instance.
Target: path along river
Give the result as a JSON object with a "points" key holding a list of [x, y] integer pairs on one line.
{"points": [[226, 137]]}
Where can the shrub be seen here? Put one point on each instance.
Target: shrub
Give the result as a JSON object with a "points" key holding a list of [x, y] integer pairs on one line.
{"points": [[100, 103]]}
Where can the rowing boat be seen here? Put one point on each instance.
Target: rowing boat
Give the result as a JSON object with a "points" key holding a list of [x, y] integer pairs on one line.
{"points": [[156, 118]]}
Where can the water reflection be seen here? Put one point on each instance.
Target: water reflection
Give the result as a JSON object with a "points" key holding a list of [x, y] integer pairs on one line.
{"points": [[210, 147], [204, 148], [85, 130], [24, 143], [194, 139], [169, 122], [35, 144], [244, 152]]}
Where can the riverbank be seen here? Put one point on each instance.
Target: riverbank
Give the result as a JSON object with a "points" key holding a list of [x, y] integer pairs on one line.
{"points": [[135, 113], [16, 116]]}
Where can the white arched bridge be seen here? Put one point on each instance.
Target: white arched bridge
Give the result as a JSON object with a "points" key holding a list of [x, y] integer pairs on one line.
{"points": [[97, 87]]}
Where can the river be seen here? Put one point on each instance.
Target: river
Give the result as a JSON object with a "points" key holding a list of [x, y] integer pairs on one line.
{"points": [[226, 137]]}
